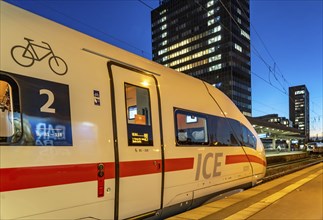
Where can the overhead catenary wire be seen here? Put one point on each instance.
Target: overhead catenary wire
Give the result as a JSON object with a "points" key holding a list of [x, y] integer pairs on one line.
{"points": [[258, 54], [144, 3], [264, 45], [283, 92]]}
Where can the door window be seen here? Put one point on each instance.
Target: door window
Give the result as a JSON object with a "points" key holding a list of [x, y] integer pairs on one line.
{"points": [[10, 118], [138, 116]]}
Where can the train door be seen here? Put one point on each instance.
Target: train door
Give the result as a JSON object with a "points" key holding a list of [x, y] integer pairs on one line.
{"points": [[137, 141]]}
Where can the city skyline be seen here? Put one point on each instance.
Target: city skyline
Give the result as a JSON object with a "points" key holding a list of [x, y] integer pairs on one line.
{"points": [[287, 53]]}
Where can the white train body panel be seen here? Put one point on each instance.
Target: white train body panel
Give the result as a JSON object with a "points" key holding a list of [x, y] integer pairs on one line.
{"points": [[104, 136]]}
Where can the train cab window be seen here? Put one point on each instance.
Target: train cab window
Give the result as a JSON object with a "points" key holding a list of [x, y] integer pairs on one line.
{"points": [[138, 116], [10, 117], [191, 128]]}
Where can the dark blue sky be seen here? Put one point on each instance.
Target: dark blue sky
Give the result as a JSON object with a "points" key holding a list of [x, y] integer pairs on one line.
{"points": [[286, 42]]}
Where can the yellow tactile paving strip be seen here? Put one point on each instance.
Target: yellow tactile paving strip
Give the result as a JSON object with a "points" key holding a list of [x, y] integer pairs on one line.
{"points": [[246, 213], [211, 208]]}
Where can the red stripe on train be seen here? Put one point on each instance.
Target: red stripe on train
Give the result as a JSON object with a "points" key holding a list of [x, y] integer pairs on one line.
{"points": [[179, 164], [33, 177], [256, 159], [136, 168], [242, 158]]}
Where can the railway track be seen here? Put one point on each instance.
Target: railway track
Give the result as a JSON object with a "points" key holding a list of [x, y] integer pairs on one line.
{"points": [[277, 170]]}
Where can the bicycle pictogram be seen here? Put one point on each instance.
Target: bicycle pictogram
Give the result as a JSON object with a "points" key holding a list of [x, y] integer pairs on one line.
{"points": [[27, 55]]}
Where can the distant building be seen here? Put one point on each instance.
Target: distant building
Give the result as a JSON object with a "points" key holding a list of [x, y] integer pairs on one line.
{"points": [[274, 134], [299, 109], [274, 118], [201, 39]]}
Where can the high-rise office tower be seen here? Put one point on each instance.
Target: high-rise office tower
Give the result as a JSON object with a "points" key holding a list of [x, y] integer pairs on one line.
{"points": [[299, 109], [207, 39]]}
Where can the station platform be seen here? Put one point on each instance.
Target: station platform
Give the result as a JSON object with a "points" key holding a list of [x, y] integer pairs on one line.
{"points": [[279, 157], [294, 196]]}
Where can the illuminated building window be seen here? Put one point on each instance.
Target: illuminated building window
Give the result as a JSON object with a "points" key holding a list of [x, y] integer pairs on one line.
{"points": [[162, 12], [209, 13], [299, 92], [238, 47], [214, 39], [215, 67], [217, 28], [245, 34], [239, 11], [210, 3], [163, 19], [215, 58], [194, 38], [164, 43], [192, 65], [163, 27], [190, 57], [162, 51], [164, 34], [210, 22]]}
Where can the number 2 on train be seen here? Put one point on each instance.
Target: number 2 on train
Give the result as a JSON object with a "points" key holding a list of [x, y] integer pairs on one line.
{"points": [[50, 100]]}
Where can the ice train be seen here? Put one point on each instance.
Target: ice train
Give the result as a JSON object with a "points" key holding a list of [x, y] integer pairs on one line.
{"points": [[90, 131]]}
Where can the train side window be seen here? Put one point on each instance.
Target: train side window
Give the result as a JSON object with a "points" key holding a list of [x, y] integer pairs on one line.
{"points": [[10, 117], [237, 128], [252, 140], [221, 133], [191, 128], [138, 116], [244, 135], [248, 138]]}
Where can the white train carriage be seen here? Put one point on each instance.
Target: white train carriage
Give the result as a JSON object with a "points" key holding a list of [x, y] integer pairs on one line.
{"points": [[90, 131]]}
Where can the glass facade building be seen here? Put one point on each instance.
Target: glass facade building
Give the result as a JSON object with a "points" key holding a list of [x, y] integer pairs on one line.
{"points": [[299, 109], [207, 39]]}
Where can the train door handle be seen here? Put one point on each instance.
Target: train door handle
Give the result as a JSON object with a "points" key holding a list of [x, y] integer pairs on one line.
{"points": [[100, 178]]}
